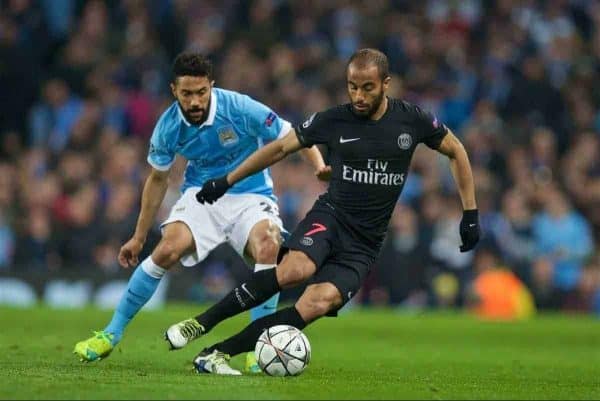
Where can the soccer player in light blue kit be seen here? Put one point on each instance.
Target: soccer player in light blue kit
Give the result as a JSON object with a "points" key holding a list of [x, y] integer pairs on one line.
{"points": [[215, 130]]}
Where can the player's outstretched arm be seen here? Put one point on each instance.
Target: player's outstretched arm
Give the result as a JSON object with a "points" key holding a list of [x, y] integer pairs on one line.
{"points": [[463, 176], [257, 161], [154, 191], [313, 156]]}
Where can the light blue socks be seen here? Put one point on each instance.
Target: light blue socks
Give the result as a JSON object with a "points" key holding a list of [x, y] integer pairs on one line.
{"points": [[143, 284], [141, 287], [270, 305]]}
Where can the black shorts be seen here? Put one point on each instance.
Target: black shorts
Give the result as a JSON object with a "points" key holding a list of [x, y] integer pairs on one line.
{"points": [[341, 259]]}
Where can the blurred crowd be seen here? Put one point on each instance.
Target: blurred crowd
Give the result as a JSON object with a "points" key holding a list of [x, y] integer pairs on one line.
{"points": [[517, 80]]}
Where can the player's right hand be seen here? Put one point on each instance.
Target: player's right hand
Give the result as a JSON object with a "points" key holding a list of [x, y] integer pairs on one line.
{"points": [[213, 190], [128, 254], [324, 173]]}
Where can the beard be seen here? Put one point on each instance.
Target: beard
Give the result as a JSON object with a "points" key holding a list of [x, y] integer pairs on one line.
{"points": [[371, 110], [199, 118]]}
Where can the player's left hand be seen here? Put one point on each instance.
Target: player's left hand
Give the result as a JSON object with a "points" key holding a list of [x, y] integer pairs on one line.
{"points": [[212, 190], [324, 173], [469, 230]]}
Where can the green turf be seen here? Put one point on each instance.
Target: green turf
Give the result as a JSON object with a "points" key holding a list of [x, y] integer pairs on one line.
{"points": [[360, 355]]}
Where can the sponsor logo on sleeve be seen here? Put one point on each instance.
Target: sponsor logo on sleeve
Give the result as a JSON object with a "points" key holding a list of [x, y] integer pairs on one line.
{"points": [[316, 228], [306, 241], [270, 118]]}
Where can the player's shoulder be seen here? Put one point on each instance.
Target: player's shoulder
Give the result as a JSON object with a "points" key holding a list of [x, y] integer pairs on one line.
{"points": [[233, 105], [338, 111], [229, 99], [335, 113], [323, 117], [228, 96], [406, 108], [170, 119]]}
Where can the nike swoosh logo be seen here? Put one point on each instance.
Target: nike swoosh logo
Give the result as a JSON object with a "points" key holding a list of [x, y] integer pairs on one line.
{"points": [[342, 140], [247, 292], [472, 225]]}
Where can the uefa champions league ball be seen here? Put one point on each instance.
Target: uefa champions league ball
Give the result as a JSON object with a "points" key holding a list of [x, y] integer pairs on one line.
{"points": [[282, 350]]}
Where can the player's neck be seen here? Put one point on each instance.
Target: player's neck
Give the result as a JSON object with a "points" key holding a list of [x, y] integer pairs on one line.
{"points": [[381, 110]]}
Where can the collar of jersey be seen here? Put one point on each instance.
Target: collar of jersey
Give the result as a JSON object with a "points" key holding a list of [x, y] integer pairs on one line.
{"points": [[211, 112]]}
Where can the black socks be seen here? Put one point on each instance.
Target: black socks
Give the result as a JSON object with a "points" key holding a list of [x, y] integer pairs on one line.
{"points": [[245, 340], [260, 287]]}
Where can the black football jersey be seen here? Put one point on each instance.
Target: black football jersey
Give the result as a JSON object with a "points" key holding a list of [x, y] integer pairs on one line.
{"points": [[369, 160]]}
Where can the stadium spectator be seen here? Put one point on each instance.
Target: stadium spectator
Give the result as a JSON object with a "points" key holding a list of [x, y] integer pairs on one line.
{"points": [[496, 292], [52, 120], [512, 232], [404, 261], [563, 241]]}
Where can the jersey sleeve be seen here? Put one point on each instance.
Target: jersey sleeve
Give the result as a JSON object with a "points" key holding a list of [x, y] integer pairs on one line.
{"points": [[313, 130], [263, 122], [161, 155], [431, 130]]}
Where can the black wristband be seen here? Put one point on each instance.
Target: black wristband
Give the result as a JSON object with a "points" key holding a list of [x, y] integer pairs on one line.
{"points": [[471, 214], [224, 182]]}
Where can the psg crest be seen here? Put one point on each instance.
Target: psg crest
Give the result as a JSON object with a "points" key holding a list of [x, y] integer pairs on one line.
{"points": [[404, 141]]}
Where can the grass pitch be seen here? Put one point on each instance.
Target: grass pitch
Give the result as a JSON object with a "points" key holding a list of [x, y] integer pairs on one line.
{"points": [[363, 354]]}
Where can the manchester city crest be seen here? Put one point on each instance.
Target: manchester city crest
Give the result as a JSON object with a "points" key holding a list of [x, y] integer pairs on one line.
{"points": [[227, 136], [404, 141]]}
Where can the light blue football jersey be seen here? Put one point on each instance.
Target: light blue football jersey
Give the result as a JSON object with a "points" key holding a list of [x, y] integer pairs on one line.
{"points": [[236, 126]]}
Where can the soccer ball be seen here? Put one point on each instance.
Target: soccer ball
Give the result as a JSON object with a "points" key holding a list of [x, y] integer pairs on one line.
{"points": [[282, 350]]}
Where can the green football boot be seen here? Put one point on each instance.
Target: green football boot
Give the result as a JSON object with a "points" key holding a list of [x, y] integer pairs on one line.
{"points": [[252, 363], [95, 348]]}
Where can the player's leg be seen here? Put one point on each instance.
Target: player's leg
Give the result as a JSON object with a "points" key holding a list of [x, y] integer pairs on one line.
{"points": [[308, 248], [316, 301], [294, 269], [340, 274], [262, 247], [177, 240], [188, 236], [256, 236], [334, 285]]}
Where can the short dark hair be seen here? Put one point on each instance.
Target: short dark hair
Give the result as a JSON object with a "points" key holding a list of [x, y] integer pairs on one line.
{"points": [[362, 58], [193, 64]]}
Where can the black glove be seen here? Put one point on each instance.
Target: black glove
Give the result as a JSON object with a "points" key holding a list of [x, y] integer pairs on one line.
{"points": [[469, 230], [213, 190]]}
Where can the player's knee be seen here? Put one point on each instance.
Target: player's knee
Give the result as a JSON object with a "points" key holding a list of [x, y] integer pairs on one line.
{"points": [[295, 269], [166, 253], [266, 250], [289, 275], [318, 300]]}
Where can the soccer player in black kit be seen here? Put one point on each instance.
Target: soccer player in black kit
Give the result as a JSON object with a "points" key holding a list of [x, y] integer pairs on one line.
{"points": [[370, 141]]}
